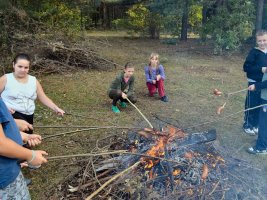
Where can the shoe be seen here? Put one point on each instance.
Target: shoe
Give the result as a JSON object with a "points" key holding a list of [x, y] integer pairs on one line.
{"points": [[123, 104], [249, 131], [164, 99], [253, 150], [28, 181], [115, 109], [256, 130]]}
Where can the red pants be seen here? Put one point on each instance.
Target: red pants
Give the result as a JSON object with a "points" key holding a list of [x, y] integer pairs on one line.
{"points": [[152, 88]]}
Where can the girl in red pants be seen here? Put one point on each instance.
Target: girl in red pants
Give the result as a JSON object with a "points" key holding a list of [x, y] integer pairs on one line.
{"points": [[155, 77]]}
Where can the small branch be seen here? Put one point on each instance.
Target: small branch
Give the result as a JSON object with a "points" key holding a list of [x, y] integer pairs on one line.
{"points": [[88, 129], [112, 179], [140, 113]]}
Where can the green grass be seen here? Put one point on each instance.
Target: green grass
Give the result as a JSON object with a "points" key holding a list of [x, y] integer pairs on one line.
{"points": [[192, 74]]}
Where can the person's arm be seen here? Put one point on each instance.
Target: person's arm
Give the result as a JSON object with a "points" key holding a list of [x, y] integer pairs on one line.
{"points": [[23, 125], [46, 101], [2, 83], [131, 87], [260, 85], [148, 78], [31, 139], [161, 73], [11, 149], [250, 65]]}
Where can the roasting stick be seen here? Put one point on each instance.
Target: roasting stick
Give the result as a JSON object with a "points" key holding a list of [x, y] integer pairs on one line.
{"points": [[140, 113], [88, 129], [112, 179], [231, 93]]}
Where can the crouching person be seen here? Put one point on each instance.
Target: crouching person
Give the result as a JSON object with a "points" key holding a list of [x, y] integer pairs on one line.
{"points": [[12, 183], [122, 87]]}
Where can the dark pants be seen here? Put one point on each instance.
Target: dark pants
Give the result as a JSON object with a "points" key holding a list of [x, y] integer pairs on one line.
{"points": [[116, 96], [261, 143], [152, 88], [27, 118], [251, 118]]}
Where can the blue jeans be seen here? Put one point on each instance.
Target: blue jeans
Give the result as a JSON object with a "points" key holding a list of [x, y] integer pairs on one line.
{"points": [[251, 118], [261, 143], [17, 190]]}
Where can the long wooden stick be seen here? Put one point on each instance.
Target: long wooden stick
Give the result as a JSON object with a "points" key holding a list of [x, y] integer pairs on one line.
{"points": [[87, 154], [112, 152], [112, 179], [88, 129], [140, 113], [231, 93]]}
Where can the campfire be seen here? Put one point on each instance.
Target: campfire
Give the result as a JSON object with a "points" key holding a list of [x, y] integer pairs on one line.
{"points": [[152, 164]]}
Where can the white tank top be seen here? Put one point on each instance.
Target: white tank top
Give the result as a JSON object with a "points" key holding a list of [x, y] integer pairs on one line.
{"points": [[20, 96]]}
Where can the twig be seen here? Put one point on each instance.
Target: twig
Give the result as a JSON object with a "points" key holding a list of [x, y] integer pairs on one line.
{"points": [[112, 179], [216, 185], [140, 113], [88, 129]]}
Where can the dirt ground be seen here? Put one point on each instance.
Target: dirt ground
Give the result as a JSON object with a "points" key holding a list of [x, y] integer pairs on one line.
{"points": [[192, 74]]}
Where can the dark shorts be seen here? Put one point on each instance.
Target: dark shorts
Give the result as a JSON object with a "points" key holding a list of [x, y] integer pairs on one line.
{"points": [[27, 118]]}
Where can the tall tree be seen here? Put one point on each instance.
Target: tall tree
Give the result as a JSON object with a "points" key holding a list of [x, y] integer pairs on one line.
{"points": [[185, 21], [259, 15]]}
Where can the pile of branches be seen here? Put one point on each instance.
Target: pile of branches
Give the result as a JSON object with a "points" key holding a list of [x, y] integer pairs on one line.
{"points": [[118, 174], [60, 56], [51, 52]]}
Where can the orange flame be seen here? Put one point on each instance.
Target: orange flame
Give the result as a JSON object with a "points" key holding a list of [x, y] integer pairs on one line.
{"points": [[176, 172]]}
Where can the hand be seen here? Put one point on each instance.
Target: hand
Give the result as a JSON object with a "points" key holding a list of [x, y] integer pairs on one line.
{"points": [[251, 87], [123, 95], [39, 158], [158, 77], [23, 125], [23, 164], [154, 81], [59, 111], [34, 139], [12, 111], [264, 69]]}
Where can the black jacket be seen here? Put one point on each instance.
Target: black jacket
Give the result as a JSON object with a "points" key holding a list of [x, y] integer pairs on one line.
{"points": [[255, 60]]}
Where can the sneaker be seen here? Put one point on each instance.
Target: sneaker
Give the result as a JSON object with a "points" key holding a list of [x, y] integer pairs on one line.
{"points": [[164, 99], [249, 131], [253, 150], [256, 130], [123, 104], [115, 109]]}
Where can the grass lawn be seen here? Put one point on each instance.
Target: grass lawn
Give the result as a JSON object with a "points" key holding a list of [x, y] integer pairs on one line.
{"points": [[192, 74]]}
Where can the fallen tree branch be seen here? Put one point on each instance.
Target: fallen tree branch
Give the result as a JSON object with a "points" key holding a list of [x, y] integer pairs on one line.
{"points": [[112, 179]]}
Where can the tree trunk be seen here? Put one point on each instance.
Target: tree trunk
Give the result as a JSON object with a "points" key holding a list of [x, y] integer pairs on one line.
{"points": [[184, 22], [105, 17], [259, 15], [204, 14]]}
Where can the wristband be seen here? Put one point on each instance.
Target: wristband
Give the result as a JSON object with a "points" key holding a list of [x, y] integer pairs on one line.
{"points": [[33, 156]]}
